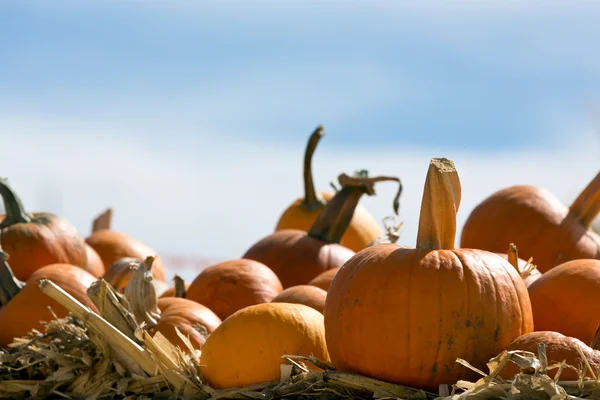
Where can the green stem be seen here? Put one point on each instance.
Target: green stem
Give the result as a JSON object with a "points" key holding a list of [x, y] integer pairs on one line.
{"points": [[10, 286], [15, 213], [333, 221], [312, 200]]}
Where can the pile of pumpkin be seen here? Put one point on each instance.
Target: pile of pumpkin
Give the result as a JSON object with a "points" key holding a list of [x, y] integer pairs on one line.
{"points": [[329, 283]]}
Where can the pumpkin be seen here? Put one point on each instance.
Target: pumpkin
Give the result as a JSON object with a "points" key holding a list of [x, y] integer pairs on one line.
{"points": [[167, 314], [112, 246], [36, 240], [247, 348], [191, 319], [559, 348], [232, 285], [179, 289], [405, 315], [303, 212], [95, 266], [29, 306], [296, 256], [564, 299], [539, 222], [324, 279], [526, 269], [308, 295], [392, 235]]}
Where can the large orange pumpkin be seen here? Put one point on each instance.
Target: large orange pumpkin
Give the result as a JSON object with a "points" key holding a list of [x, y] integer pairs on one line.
{"points": [[303, 212], [405, 315], [559, 348], [564, 299], [112, 246], [36, 240], [247, 348], [308, 295], [232, 285], [535, 219], [296, 256], [29, 307], [193, 320]]}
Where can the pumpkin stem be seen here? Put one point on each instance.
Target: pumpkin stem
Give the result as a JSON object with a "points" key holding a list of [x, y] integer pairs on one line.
{"points": [[441, 199], [587, 205], [392, 232], [103, 220], [334, 219], [513, 256], [15, 213], [141, 294], [312, 201], [10, 286], [179, 286]]}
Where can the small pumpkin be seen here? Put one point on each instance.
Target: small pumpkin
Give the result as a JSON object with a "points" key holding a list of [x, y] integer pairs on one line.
{"points": [[29, 306], [526, 269], [324, 279], [247, 348], [308, 295], [232, 285], [559, 348], [539, 222], [192, 319], [420, 309], [167, 314], [296, 256], [303, 212], [112, 246], [564, 299], [95, 266], [120, 272], [36, 240]]}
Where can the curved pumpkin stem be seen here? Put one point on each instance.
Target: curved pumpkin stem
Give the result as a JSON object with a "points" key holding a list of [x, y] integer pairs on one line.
{"points": [[334, 219], [441, 199], [392, 232], [141, 294], [312, 201], [103, 220], [15, 212], [10, 286], [587, 205], [513, 256], [179, 287]]}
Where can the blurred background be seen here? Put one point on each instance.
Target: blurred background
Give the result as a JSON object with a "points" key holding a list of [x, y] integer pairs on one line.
{"points": [[190, 118]]}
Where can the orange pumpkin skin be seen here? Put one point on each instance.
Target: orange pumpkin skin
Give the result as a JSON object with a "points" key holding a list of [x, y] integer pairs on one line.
{"points": [[119, 273], [558, 348], [256, 337], [536, 220], [112, 246], [311, 296], [47, 239], [564, 299], [170, 292], [192, 319], [323, 280], [363, 228], [232, 285], [529, 279], [95, 266], [30, 306], [297, 258], [420, 310]]}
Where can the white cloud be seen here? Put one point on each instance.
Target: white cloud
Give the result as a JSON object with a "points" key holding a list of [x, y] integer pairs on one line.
{"points": [[220, 203]]}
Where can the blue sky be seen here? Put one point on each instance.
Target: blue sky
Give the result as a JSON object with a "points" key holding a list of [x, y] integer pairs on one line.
{"points": [[99, 99]]}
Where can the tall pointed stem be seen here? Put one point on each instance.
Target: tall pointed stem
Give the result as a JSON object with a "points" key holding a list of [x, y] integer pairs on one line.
{"points": [[312, 201], [13, 207], [587, 205]]}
